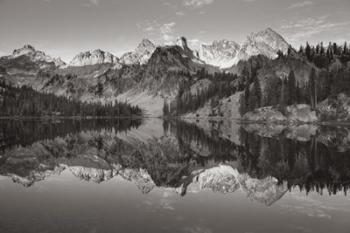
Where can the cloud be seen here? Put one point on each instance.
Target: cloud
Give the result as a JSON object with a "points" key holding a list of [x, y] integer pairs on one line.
{"points": [[149, 29], [197, 3], [300, 5], [168, 27], [163, 33], [167, 32], [300, 30], [180, 13]]}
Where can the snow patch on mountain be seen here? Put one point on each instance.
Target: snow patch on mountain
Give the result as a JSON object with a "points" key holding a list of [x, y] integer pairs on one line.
{"points": [[218, 179], [226, 179], [92, 174], [220, 53], [224, 53]]}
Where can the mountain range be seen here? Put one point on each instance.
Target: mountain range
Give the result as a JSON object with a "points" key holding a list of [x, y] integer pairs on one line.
{"points": [[153, 76], [222, 53]]}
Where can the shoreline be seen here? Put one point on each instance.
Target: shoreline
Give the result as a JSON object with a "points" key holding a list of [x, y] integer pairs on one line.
{"points": [[237, 120]]}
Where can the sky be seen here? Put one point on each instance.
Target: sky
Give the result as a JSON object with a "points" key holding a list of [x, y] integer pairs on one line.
{"points": [[63, 28]]}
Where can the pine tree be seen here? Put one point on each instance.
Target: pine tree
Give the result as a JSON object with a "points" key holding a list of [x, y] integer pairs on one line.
{"points": [[245, 74], [257, 93], [330, 52], [322, 49], [247, 97], [284, 96], [301, 50], [166, 108], [308, 51], [335, 49], [312, 89], [345, 49], [242, 105], [291, 88]]}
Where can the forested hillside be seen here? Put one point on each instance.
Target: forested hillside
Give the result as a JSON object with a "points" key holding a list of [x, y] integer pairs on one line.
{"points": [[328, 74], [308, 76], [25, 101]]}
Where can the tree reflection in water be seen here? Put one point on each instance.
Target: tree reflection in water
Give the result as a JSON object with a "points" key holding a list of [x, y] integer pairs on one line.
{"points": [[182, 156]]}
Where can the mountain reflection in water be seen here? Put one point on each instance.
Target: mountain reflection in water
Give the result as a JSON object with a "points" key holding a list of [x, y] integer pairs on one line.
{"points": [[265, 162], [150, 175]]}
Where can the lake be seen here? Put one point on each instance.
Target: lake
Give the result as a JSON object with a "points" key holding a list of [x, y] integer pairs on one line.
{"points": [[154, 175]]}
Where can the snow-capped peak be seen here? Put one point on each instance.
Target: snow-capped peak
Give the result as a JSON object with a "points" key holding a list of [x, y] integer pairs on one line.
{"points": [[225, 53], [93, 57], [140, 55], [266, 42], [36, 55], [220, 53]]}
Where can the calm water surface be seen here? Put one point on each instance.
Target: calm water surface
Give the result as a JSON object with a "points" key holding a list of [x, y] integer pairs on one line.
{"points": [[152, 175]]}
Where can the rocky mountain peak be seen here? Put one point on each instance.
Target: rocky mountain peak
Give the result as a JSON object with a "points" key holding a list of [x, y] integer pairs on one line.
{"points": [[270, 37], [24, 50], [93, 57], [224, 53], [140, 55], [220, 53], [145, 44], [36, 55], [266, 42], [192, 54], [182, 42]]}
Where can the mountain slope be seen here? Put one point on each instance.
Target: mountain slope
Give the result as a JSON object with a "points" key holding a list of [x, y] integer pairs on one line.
{"points": [[24, 66]]}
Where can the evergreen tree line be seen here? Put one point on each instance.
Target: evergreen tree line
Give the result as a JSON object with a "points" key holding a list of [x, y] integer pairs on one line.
{"points": [[25, 101], [322, 56], [289, 160], [24, 133], [260, 157], [280, 93], [222, 86], [322, 83]]}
